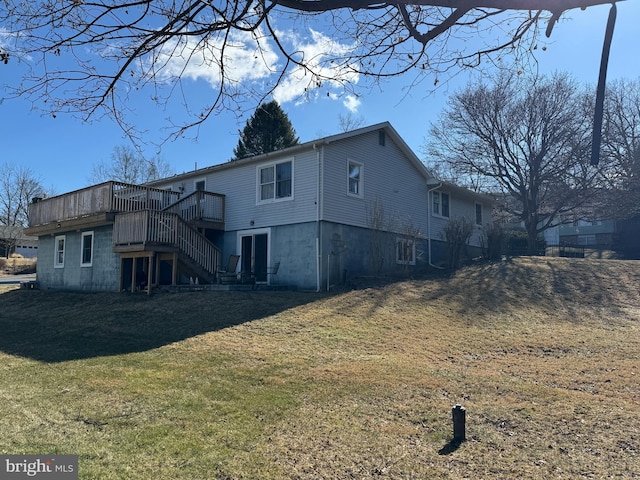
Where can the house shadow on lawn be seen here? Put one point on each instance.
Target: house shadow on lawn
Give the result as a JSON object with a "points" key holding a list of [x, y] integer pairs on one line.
{"points": [[55, 326], [556, 284]]}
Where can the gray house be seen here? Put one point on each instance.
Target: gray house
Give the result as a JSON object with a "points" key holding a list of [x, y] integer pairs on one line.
{"points": [[350, 204]]}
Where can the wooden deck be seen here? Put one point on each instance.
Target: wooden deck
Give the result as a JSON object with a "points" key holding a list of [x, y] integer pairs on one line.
{"points": [[153, 231], [98, 205], [150, 226]]}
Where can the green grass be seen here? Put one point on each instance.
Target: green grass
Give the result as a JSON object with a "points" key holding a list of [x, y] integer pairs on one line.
{"points": [[276, 385]]}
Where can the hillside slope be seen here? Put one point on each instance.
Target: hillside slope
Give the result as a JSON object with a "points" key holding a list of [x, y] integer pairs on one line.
{"points": [[542, 352]]}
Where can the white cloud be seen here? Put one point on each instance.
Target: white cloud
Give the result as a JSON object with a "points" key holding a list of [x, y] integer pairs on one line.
{"points": [[352, 103], [245, 58], [5, 37], [250, 58], [315, 52]]}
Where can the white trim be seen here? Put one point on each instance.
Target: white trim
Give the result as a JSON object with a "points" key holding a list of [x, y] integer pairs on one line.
{"points": [[439, 214], [198, 180], [360, 193], [253, 232], [90, 262], [56, 263], [407, 241], [274, 199]]}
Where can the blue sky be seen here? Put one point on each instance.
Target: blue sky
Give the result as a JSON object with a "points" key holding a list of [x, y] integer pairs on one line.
{"points": [[62, 150]]}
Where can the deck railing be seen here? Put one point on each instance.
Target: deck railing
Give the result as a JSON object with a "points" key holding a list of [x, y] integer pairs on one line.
{"points": [[165, 228], [200, 205], [103, 198]]}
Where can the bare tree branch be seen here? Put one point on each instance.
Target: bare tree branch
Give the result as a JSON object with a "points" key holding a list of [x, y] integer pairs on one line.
{"points": [[528, 139], [92, 57]]}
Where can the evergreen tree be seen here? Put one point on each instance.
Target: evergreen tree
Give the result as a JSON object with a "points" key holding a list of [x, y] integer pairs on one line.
{"points": [[269, 129]]}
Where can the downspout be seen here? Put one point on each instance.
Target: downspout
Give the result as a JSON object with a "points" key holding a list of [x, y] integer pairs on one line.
{"points": [[318, 233], [429, 207]]}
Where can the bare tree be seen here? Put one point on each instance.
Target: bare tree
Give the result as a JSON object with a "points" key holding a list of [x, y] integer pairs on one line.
{"points": [[350, 122], [621, 149], [18, 187], [456, 233], [529, 138], [152, 46], [129, 166], [378, 223]]}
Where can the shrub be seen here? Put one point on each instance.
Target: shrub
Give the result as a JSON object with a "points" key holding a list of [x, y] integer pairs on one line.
{"points": [[456, 233], [492, 239], [517, 243], [27, 267]]}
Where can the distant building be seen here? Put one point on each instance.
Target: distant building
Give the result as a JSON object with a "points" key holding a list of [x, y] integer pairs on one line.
{"points": [[14, 240]]}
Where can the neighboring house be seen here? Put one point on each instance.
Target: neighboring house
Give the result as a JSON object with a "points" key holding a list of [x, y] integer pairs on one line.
{"points": [[350, 204], [14, 240], [587, 233], [619, 235]]}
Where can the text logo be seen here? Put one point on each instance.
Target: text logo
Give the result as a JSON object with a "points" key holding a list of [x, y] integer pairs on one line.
{"points": [[45, 467]]}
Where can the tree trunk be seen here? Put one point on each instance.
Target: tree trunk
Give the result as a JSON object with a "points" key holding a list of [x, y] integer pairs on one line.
{"points": [[532, 243], [531, 225]]}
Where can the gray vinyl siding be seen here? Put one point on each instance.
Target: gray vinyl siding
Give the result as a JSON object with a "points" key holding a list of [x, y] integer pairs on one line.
{"points": [[102, 275], [239, 184], [460, 207], [387, 175]]}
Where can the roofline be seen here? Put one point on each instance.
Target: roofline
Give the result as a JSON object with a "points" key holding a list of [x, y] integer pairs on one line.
{"points": [[465, 191], [386, 126]]}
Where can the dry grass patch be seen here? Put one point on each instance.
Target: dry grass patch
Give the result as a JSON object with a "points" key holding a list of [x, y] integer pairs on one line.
{"points": [[542, 353], [17, 264]]}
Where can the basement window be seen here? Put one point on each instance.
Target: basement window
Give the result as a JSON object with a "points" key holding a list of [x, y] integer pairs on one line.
{"points": [[405, 251], [58, 259], [87, 249]]}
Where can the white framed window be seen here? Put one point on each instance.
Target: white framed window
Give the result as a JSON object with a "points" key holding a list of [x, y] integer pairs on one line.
{"points": [[440, 204], [405, 251], [355, 178], [58, 251], [200, 184], [478, 214], [275, 182], [86, 249]]}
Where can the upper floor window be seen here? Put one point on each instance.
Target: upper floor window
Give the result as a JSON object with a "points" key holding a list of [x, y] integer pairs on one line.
{"points": [[58, 259], [478, 214], [200, 185], [440, 203], [382, 138], [86, 259], [275, 181], [354, 178]]}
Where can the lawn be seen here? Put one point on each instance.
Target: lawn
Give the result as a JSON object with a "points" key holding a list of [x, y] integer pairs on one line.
{"points": [[543, 354]]}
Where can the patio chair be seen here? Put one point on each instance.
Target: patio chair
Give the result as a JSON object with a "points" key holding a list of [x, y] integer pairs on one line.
{"points": [[229, 275], [272, 272]]}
